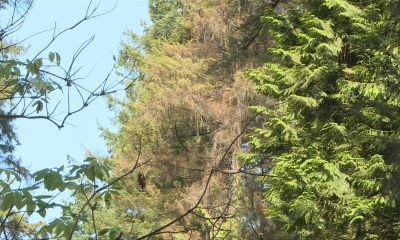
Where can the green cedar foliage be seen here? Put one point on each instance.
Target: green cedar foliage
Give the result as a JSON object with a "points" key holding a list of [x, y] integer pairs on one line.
{"points": [[332, 138]]}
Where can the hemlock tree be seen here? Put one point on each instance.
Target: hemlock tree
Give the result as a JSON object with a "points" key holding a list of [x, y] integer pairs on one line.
{"points": [[186, 110], [332, 139]]}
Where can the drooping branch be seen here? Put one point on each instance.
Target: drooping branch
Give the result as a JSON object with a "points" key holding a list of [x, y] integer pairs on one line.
{"points": [[260, 26], [205, 187]]}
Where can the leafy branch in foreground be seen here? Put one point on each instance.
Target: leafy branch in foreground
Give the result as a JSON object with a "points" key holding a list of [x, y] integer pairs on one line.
{"points": [[92, 177], [29, 89]]}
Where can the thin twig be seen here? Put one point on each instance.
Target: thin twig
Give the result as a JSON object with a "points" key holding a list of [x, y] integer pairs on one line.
{"points": [[98, 190]]}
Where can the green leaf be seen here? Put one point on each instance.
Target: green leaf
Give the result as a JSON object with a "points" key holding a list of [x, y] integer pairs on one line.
{"points": [[90, 159], [30, 208], [43, 196], [107, 199], [17, 196], [103, 231], [39, 63], [39, 175], [51, 56], [32, 68], [53, 180], [42, 212], [71, 185], [58, 58], [8, 201], [113, 234], [90, 172]]}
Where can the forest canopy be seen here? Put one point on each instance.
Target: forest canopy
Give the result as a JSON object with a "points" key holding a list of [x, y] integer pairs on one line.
{"points": [[242, 119]]}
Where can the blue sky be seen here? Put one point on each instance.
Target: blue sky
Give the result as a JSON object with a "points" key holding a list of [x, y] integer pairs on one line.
{"points": [[43, 144]]}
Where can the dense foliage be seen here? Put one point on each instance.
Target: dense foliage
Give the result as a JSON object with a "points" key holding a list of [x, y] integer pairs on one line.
{"points": [[184, 115], [332, 138], [249, 120]]}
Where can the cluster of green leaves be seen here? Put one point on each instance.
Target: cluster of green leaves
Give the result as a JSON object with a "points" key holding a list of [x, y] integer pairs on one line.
{"points": [[89, 183], [332, 138], [20, 79], [25, 87]]}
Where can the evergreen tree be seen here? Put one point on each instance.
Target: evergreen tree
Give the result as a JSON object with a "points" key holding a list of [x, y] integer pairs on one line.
{"points": [[9, 74], [332, 137], [185, 111]]}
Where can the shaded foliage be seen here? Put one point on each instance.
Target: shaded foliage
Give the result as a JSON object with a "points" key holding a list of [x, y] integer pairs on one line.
{"points": [[331, 139]]}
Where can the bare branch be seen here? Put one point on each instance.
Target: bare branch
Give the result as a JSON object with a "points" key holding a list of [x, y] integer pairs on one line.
{"points": [[208, 180]]}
